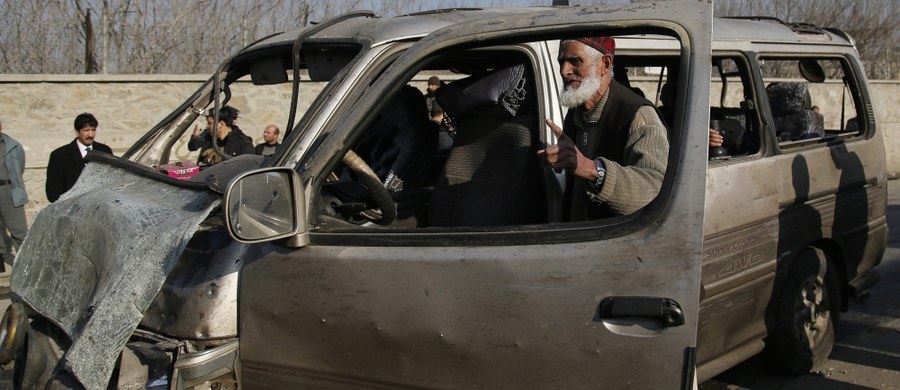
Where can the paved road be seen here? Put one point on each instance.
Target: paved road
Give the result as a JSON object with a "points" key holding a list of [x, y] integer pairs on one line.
{"points": [[867, 350], [866, 353]]}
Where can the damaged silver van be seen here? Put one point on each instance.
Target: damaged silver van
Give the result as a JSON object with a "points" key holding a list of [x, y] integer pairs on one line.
{"points": [[380, 249]]}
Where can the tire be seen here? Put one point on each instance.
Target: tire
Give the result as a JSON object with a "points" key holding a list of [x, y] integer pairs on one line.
{"points": [[806, 315]]}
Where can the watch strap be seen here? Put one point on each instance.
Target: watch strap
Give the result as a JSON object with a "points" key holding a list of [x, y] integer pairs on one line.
{"points": [[597, 183]]}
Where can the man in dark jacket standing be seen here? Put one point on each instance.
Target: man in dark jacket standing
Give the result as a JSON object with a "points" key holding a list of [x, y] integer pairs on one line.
{"points": [[270, 136], [67, 161], [229, 138]]}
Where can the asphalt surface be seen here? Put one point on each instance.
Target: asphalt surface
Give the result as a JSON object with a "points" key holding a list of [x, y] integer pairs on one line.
{"points": [[866, 354]]}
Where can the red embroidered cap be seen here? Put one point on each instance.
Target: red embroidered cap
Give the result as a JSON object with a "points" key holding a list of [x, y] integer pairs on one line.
{"points": [[605, 45]]}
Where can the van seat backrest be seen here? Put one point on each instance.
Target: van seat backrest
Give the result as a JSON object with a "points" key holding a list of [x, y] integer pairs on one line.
{"points": [[791, 108], [735, 113], [731, 123], [492, 176]]}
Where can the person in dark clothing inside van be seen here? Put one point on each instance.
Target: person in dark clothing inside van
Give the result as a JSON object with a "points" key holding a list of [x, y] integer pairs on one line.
{"points": [[434, 109], [615, 147], [229, 137]]}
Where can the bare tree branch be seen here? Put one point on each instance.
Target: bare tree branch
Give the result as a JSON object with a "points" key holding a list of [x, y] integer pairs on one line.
{"points": [[192, 36]]}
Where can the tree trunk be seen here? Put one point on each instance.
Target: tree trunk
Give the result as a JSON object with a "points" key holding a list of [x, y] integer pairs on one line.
{"points": [[90, 64]]}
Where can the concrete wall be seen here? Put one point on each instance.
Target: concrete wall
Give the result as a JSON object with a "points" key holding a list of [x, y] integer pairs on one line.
{"points": [[38, 111]]}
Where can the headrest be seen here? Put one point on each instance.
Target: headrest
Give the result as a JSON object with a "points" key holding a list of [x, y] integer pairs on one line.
{"points": [[788, 98], [506, 88]]}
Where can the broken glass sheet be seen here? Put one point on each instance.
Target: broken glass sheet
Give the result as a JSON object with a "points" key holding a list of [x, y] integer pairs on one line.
{"points": [[93, 260]]}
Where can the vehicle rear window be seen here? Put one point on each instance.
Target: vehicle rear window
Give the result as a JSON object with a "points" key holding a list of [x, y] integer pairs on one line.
{"points": [[811, 99]]}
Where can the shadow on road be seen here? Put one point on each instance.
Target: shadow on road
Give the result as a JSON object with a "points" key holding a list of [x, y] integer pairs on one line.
{"points": [[868, 357], [757, 374]]}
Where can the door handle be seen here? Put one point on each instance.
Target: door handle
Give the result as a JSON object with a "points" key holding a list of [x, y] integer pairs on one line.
{"points": [[664, 309]]}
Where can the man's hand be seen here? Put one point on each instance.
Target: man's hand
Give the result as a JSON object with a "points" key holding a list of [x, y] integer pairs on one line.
{"points": [[564, 155], [210, 157], [196, 132], [715, 139]]}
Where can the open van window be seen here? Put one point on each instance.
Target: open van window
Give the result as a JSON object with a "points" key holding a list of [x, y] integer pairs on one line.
{"points": [[263, 76], [489, 102], [479, 167], [732, 109], [733, 112], [811, 99]]}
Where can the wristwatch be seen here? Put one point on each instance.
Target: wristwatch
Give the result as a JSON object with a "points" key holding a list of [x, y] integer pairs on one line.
{"points": [[597, 183]]}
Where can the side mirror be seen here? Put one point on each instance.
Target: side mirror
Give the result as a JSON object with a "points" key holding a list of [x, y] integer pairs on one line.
{"points": [[265, 205]]}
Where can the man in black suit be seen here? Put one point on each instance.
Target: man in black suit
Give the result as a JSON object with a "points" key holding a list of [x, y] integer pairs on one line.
{"points": [[67, 161]]}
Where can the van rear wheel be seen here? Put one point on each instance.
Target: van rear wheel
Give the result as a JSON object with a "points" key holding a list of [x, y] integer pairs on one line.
{"points": [[806, 314]]}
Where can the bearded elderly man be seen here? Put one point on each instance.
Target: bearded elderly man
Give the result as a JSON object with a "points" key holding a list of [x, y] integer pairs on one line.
{"points": [[614, 148]]}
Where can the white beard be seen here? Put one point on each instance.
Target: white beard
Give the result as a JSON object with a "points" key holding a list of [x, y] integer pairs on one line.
{"points": [[573, 97]]}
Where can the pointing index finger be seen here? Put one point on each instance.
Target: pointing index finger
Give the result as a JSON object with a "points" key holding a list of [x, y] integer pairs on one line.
{"points": [[557, 131]]}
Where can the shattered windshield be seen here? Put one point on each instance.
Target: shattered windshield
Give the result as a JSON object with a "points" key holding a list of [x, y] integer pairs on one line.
{"points": [[251, 113], [97, 281]]}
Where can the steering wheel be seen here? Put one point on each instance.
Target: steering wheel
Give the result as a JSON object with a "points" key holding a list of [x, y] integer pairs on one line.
{"points": [[386, 210]]}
